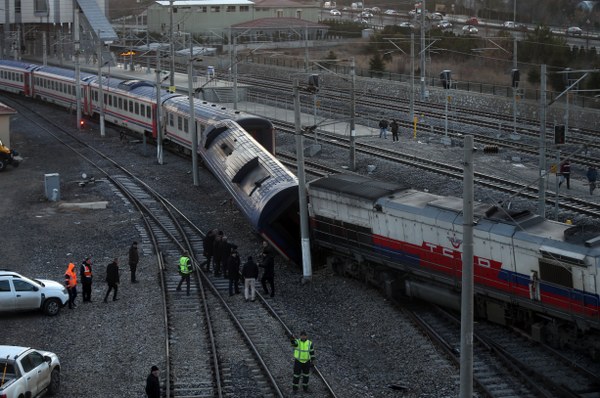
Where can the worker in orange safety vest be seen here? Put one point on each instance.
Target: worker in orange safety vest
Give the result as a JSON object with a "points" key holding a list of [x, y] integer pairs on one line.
{"points": [[71, 284]]}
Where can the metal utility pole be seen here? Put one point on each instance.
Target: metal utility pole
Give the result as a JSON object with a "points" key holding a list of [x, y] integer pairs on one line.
{"points": [[77, 66], [305, 240], [192, 122], [306, 66], [44, 49], [412, 78], [159, 148], [100, 91], [542, 180], [423, 97], [352, 165], [171, 46], [515, 88], [235, 74], [466, 307]]}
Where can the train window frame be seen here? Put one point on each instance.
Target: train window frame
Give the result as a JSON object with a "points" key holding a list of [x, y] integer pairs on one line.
{"points": [[171, 120], [143, 110], [130, 106], [179, 123], [186, 125], [110, 100], [148, 112], [137, 108], [120, 103]]}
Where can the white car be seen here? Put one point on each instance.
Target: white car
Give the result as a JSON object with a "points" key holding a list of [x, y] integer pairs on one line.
{"points": [[19, 293], [435, 16], [470, 30], [335, 13], [406, 25], [27, 372], [574, 31], [366, 14], [391, 12], [361, 21]]}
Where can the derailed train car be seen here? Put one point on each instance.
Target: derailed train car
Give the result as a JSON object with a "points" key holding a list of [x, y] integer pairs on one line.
{"points": [[539, 274]]}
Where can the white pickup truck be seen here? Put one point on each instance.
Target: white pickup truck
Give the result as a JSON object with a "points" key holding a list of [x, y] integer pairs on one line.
{"points": [[26, 372]]}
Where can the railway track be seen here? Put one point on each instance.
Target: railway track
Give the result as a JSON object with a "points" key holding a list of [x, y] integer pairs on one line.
{"points": [[217, 345], [570, 203], [506, 364], [487, 128]]}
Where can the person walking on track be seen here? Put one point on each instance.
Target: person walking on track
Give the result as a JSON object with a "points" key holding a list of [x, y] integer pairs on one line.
{"points": [[304, 358], [112, 279], [185, 270], [71, 284], [134, 258]]}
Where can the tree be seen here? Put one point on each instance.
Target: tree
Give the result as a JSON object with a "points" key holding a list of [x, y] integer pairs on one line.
{"points": [[376, 64]]}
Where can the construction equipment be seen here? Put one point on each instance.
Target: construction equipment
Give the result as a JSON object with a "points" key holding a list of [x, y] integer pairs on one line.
{"points": [[8, 156]]}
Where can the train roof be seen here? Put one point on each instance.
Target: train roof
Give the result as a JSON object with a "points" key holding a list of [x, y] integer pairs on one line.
{"points": [[135, 88], [19, 64], [204, 109], [357, 185], [62, 72]]}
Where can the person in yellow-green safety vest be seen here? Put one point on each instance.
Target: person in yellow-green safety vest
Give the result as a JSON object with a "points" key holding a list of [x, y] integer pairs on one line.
{"points": [[304, 357], [185, 270]]}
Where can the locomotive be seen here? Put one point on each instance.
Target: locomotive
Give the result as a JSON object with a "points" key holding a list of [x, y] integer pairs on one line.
{"points": [[535, 273]]}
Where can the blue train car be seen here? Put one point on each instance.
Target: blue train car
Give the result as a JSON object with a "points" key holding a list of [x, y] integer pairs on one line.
{"points": [[265, 191]]}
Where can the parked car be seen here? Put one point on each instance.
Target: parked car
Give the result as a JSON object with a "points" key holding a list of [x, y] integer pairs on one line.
{"points": [[361, 21], [19, 293], [574, 31], [391, 12], [435, 16], [473, 21], [27, 372], [335, 13], [406, 25], [444, 24], [375, 10], [366, 14], [470, 30]]}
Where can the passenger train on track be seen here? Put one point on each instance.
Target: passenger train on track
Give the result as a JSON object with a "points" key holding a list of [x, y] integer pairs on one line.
{"points": [[531, 272]]}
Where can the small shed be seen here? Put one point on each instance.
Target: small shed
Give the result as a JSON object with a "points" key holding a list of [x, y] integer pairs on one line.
{"points": [[5, 113]]}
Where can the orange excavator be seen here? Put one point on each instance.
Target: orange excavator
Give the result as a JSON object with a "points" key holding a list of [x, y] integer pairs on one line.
{"points": [[8, 156]]}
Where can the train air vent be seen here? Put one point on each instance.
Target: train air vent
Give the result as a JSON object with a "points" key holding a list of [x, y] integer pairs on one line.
{"points": [[245, 170], [212, 134], [562, 256]]}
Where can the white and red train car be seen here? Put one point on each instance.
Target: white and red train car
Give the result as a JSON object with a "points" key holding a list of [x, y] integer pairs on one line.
{"points": [[528, 270]]}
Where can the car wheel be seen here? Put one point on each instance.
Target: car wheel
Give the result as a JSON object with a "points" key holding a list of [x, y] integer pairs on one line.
{"points": [[51, 306], [54, 386]]}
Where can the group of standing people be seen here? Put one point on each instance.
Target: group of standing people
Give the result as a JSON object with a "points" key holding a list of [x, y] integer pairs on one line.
{"points": [[393, 125], [223, 255], [86, 276]]}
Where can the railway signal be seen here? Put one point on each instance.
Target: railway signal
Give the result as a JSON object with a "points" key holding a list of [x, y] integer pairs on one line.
{"points": [[559, 134], [515, 75]]}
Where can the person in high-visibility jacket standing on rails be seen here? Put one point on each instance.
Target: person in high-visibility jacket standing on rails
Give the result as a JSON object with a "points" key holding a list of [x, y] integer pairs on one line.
{"points": [[304, 357], [185, 270]]}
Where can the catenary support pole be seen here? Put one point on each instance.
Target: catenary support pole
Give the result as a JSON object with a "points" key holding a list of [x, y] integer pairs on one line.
{"points": [[100, 89], [171, 47], [77, 66], [302, 201], [542, 149], [423, 96], [466, 307], [352, 165], [412, 78], [159, 148], [192, 122]]}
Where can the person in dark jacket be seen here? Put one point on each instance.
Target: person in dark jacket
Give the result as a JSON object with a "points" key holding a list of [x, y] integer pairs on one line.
{"points": [[207, 247], [134, 258], [85, 274], [225, 249], [268, 263], [233, 270], [250, 274], [395, 129], [592, 176], [112, 279], [565, 172], [153, 383], [383, 125], [217, 253]]}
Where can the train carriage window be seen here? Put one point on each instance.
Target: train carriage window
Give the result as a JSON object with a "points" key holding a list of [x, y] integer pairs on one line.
{"points": [[179, 123], [120, 103], [137, 108], [131, 106], [148, 111], [171, 120], [143, 110], [105, 99], [185, 124]]}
